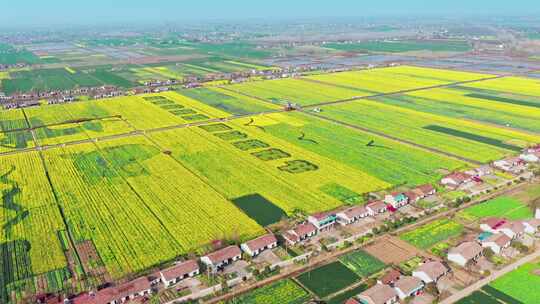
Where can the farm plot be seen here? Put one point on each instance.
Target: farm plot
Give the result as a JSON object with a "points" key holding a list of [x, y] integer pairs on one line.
{"points": [[139, 112], [430, 234], [328, 279], [467, 139], [387, 160], [461, 103], [394, 79], [362, 263], [522, 284], [30, 222], [11, 121], [504, 207], [227, 101], [263, 211], [61, 79], [515, 85], [129, 198], [159, 72], [290, 177], [221, 65], [343, 297], [391, 250], [71, 122], [10, 55], [282, 292], [402, 46], [47, 79], [296, 91]]}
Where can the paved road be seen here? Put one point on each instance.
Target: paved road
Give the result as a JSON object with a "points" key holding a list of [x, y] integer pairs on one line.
{"points": [[467, 291]]}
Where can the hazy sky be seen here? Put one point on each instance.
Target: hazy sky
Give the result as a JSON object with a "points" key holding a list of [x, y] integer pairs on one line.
{"points": [[44, 12]]}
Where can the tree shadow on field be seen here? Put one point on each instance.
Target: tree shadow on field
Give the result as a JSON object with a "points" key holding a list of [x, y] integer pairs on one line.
{"points": [[16, 265], [372, 144], [9, 202], [302, 137], [250, 124]]}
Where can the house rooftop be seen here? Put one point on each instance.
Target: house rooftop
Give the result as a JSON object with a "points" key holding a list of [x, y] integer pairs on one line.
{"points": [[459, 176], [433, 269], [355, 211], [135, 286], [534, 222], [412, 195], [261, 242], [179, 270], [408, 284], [114, 293], [304, 229], [390, 276], [494, 222], [467, 250], [224, 254], [290, 236], [427, 188], [322, 215], [500, 239], [352, 301], [379, 294], [376, 205], [516, 226]]}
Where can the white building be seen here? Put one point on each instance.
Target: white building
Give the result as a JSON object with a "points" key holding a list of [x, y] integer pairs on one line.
{"points": [[408, 286], [378, 294], [258, 245], [430, 272], [300, 233], [179, 272], [218, 260], [323, 221], [353, 215], [513, 229], [497, 242], [456, 179], [465, 253], [533, 157], [532, 226]]}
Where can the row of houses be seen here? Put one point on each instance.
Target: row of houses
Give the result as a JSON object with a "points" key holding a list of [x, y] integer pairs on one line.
{"points": [[517, 164], [118, 294], [220, 259], [323, 221], [395, 286], [177, 273], [55, 97], [497, 235], [513, 165], [531, 155]]}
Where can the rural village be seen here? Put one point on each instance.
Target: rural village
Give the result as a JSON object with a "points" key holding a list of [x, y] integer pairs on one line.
{"points": [[401, 271], [340, 161]]}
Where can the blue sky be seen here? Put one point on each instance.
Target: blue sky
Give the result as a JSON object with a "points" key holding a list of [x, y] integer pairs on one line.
{"points": [[44, 12]]}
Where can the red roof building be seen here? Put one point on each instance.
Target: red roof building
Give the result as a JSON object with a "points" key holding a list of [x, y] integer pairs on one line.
{"points": [[300, 233], [179, 272], [217, 260], [260, 244], [118, 294]]}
